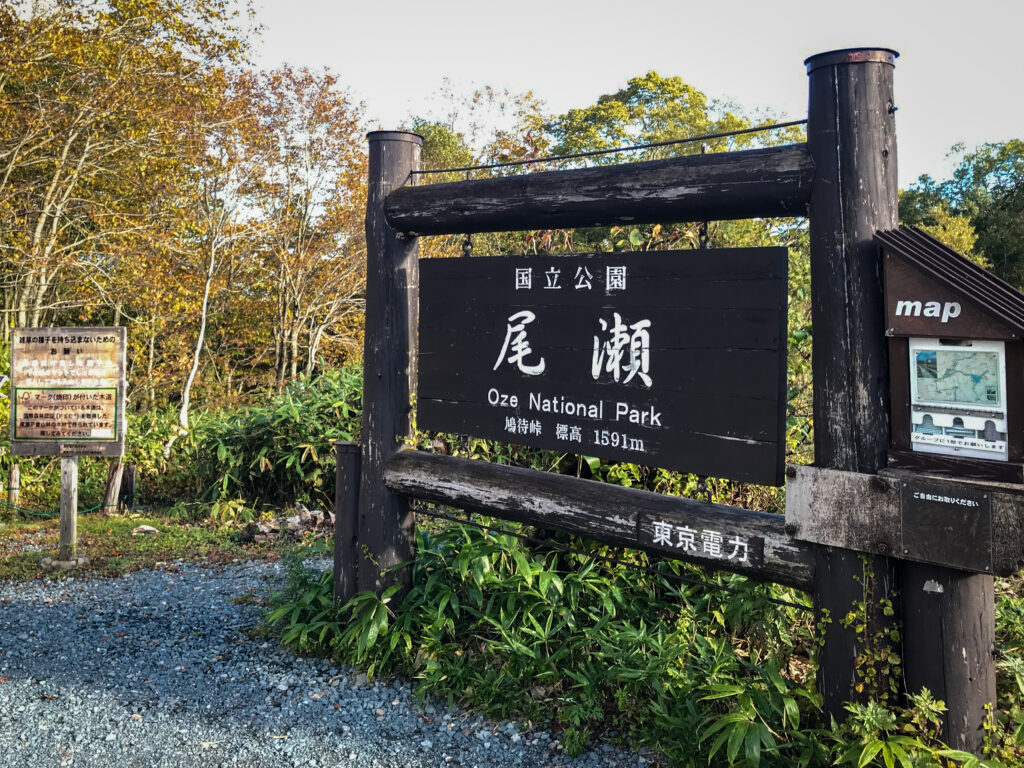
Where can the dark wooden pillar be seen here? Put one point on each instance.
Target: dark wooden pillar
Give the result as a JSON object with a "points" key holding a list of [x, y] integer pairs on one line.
{"points": [[948, 644], [346, 522], [852, 138], [386, 530], [946, 617]]}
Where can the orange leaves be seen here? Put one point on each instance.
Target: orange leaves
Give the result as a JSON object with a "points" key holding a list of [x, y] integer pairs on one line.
{"points": [[144, 181]]}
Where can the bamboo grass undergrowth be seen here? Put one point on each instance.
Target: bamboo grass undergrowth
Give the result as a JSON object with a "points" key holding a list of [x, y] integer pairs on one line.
{"points": [[594, 649]]}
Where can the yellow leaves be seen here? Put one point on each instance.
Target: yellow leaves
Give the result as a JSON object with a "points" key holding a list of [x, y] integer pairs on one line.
{"points": [[154, 167], [957, 232]]}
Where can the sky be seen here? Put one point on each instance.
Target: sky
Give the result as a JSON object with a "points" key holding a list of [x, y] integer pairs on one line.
{"points": [[958, 78]]}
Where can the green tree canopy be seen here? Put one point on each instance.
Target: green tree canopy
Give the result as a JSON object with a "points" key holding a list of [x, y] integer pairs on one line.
{"points": [[986, 189]]}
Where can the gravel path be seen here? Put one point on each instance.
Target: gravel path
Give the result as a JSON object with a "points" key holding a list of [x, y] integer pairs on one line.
{"points": [[157, 669]]}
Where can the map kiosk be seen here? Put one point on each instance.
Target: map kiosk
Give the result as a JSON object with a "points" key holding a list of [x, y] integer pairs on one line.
{"points": [[956, 361]]}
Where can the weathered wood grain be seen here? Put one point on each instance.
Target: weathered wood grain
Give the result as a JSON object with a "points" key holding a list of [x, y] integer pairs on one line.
{"points": [[851, 136], [953, 466], [1008, 536], [607, 513], [843, 509], [866, 513], [392, 279], [733, 185], [113, 491], [948, 645], [68, 540], [346, 522]]}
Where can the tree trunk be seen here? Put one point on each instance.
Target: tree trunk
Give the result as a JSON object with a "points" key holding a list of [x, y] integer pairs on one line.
{"points": [[294, 362], [150, 388], [280, 343], [186, 392], [113, 487], [314, 345], [22, 312]]}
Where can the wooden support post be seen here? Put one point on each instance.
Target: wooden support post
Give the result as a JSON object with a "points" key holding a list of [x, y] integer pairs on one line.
{"points": [[386, 525], [126, 496], [346, 518], [948, 645], [13, 484], [68, 508], [851, 136], [946, 616], [113, 490]]}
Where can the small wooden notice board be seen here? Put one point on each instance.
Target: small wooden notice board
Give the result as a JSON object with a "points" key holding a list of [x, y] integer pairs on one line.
{"points": [[67, 391], [674, 359]]}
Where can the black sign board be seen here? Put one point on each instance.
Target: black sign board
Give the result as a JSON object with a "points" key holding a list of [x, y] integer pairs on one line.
{"points": [[674, 359], [946, 522]]}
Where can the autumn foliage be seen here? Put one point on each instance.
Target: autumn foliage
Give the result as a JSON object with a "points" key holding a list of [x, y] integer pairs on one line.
{"points": [[149, 177]]}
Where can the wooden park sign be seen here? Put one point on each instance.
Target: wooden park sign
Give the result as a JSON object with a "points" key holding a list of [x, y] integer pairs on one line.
{"points": [[67, 391], [677, 360], [674, 359], [67, 400]]}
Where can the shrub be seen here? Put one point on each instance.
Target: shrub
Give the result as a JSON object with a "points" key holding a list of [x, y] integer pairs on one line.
{"points": [[592, 646], [281, 452]]}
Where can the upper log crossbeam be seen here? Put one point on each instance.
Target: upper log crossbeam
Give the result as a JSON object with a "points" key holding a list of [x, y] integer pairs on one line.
{"points": [[753, 183]]}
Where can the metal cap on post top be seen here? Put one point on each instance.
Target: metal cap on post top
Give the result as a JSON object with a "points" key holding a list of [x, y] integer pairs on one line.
{"points": [[851, 56]]}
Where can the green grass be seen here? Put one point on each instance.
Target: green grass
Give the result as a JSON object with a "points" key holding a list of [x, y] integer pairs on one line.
{"points": [[592, 649], [112, 550]]}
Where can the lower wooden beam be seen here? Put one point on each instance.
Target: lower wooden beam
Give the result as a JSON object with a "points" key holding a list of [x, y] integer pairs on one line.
{"points": [[960, 523], [718, 536]]}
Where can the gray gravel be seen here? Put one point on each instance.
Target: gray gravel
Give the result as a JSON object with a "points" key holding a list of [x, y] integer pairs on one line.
{"points": [[157, 668]]}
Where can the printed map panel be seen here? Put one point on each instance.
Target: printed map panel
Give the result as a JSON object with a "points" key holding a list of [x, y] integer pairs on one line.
{"points": [[958, 376]]}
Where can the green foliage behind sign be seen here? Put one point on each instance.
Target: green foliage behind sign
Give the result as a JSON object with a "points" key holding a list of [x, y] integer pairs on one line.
{"points": [[983, 197]]}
